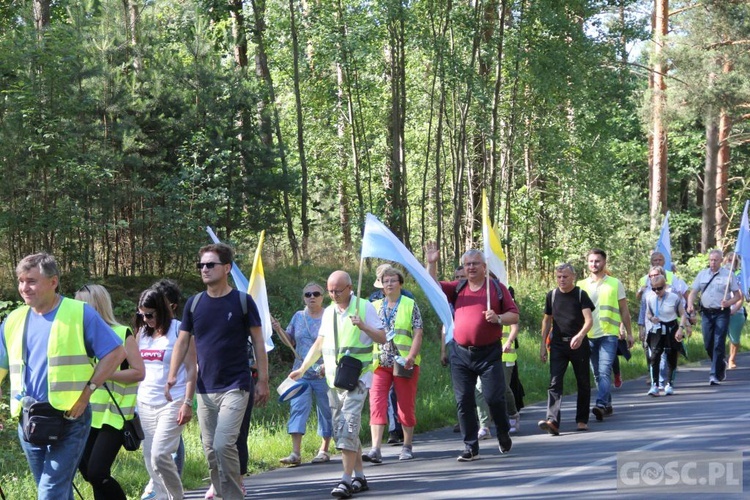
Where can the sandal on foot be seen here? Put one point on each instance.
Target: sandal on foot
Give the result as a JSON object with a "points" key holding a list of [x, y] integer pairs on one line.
{"points": [[292, 459], [359, 484], [342, 490], [321, 457]]}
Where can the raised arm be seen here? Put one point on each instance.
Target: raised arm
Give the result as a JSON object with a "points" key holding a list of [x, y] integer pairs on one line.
{"points": [[432, 254]]}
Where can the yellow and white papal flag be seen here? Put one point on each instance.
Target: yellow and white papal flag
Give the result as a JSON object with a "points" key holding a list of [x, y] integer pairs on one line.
{"points": [[493, 248], [257, 289]]}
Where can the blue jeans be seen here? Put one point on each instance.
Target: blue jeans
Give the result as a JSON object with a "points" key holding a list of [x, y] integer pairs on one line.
{"points": [[302, 404], [603, 352], [715, 324], [54, 466]]}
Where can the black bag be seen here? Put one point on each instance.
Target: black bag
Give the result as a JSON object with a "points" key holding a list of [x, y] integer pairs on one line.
{"points": [[132, 433], [42, 424], [347, 373], [132, 430]]}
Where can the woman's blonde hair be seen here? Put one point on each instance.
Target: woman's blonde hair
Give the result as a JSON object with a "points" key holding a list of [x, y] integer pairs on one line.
{"points": [[98, 297]]}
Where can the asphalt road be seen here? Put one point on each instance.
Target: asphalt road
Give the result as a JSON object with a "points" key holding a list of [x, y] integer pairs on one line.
{"points": [[697, 420]]}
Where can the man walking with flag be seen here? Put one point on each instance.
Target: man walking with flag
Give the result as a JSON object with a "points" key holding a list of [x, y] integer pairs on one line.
{"points": [[482, 307], [220, 321]]}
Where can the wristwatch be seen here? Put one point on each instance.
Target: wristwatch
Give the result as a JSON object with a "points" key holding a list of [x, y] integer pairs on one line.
{"points": [[91, 385]]}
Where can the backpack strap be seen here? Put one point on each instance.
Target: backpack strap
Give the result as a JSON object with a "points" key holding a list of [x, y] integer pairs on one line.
{"points": [[462, 284], [195, 302]]}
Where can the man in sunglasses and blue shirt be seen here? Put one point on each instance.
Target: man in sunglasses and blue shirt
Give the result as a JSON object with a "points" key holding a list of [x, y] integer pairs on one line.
{"points": [[220, 323]]}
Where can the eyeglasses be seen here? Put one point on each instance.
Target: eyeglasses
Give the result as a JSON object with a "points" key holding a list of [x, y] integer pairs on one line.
{"points": [[309, 295], [473, 264], [84, 288], [653, 275], [207, 265], [145, 315], [390, 282], [338, 292], [657, 288]]}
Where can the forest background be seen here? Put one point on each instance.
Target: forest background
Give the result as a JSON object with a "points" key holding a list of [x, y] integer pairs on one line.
{"points": [[128, 126]]}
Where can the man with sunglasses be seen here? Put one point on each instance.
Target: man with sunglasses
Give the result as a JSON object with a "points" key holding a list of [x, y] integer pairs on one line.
{"points": [[220, 325], [663, 309]]}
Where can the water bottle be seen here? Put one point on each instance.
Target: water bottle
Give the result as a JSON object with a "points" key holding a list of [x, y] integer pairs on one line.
{"points": [[400, 360]]}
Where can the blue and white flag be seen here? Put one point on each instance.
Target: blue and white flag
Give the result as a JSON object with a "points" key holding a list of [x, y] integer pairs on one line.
{"points": [[239, 279], [379, 242], [664, 245], [742, 252]]}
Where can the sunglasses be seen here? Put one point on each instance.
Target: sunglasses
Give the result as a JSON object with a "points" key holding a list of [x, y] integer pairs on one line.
{"points": [[207, 265], [84, 288], [312, 294], [658, 288], [145, 315]]}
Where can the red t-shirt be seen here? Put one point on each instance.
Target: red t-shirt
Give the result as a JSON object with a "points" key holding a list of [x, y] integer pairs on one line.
{"points": [[471, 329]]}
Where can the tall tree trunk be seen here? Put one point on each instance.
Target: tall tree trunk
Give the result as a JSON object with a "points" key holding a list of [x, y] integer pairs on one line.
{"points": [[41, 14], [394, 175], [722, 168], [708, 233], [269, 121], [300, 133], [658, 172]]}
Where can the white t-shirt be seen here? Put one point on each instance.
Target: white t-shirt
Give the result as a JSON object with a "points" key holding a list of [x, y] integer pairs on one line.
{"points": [[157, 355]]}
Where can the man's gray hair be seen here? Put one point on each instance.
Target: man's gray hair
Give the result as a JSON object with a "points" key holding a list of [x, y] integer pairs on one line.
{"points": [[472, 253], [43, 261], [566, 266], [716, 251]]}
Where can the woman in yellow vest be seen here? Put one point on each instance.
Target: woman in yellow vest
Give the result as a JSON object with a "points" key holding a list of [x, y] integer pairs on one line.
{"points": [[105, 438], [396, 363]]}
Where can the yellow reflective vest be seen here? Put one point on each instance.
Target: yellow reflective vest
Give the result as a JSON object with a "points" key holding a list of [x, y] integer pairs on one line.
{"points": [[402, 327], [607, 304], [348, 339], [68, 365], [103, 410]]}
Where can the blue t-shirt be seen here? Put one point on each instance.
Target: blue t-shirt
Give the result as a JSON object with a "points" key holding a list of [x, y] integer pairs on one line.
{"points": [[221, 333], [303, 330], [98, 337]]}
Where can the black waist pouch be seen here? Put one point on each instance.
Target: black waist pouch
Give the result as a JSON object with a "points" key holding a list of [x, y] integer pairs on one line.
{"points": [[42, 424]]}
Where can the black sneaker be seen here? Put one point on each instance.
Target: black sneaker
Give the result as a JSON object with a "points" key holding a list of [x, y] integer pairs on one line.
{"points": [[468, 455], [504, 442], [457, 428], [342, 490], [608, 411], [395, 437], [598, 412]]}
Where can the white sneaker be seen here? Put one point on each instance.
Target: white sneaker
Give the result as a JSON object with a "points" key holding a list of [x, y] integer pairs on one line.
{"points": [[515, 423], [654, 391], [484, 433], [210, 493], [668, 391]]}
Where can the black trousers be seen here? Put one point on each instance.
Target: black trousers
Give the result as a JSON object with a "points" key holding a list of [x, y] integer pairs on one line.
{"points": [[466, 366], [659, 343], [560, 355], [99, 454]]}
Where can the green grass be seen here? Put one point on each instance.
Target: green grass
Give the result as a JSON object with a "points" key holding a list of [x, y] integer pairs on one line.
{"points": [[269, 440]]}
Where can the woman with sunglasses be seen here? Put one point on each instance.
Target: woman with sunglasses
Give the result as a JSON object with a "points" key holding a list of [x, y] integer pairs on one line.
{"points": [[162, 420], [106, 437], [303, 331], [665, 312]]}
